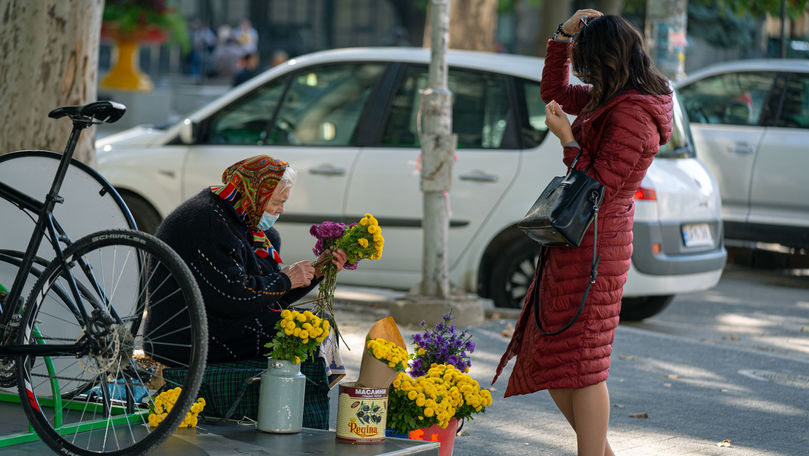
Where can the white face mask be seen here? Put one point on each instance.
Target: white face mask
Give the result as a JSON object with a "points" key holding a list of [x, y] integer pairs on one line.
{"points": [[267, 220]]}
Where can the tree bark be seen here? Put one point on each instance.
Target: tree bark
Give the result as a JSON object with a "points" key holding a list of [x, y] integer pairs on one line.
{"points": [[665, 35], [49, 57], [474, 25], [612, 7], [553, 12]]}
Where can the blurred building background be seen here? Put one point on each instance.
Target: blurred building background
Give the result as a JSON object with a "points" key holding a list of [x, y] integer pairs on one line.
{"points": [[287, 28]]}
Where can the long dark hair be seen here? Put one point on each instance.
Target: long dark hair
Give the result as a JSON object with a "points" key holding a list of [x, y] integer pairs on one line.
{"points": [[608, 53]]}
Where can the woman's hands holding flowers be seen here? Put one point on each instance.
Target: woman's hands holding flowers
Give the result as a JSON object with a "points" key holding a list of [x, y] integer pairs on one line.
{"points": [[557, 122], [300, 274], [338, 258], [574, 24]]}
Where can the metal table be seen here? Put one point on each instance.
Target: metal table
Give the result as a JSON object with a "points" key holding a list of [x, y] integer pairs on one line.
{"points": [[244, 439]]}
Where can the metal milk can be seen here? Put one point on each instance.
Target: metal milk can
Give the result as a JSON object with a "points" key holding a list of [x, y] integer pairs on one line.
{"points": [[280, 408]]}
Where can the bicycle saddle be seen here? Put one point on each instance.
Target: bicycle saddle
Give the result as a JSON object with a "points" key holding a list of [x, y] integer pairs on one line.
{"points": [[104, 111]]}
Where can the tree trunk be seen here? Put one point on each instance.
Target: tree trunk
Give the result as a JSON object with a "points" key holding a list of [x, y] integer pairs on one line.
{"points": [[474, 25], [553, 13], [665, 35], [612, 7], [49, 59]]}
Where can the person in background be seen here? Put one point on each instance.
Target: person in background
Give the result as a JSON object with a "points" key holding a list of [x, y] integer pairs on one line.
{"points": [[247, 36], [225, 234], [278, 57], [248, 68], [226, 54], [624, 114]]}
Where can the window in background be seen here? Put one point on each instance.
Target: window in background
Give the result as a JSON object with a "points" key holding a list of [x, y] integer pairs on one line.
{"points": [[245, 121], [323, 105], [795, 108], [481, 115], [730, 99]]}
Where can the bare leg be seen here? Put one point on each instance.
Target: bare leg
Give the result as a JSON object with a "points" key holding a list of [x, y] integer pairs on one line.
{"points": [[588, 412]]}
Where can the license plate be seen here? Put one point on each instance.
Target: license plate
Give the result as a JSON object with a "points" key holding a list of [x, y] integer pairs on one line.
{"points": [[697, 235]]}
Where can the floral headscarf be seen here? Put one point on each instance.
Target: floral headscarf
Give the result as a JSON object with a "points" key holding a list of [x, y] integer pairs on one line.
{"points": [[249, 184]]}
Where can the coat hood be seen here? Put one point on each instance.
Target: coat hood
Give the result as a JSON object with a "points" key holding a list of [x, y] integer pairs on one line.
{"points": [[659, 108]]}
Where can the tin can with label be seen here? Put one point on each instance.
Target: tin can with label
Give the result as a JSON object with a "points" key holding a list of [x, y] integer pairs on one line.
{"points": [[361, 414]]}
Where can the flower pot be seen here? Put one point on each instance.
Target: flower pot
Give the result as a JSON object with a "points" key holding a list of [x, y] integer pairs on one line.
{"points": [[280, 408], [125, 74], [435, 433]]}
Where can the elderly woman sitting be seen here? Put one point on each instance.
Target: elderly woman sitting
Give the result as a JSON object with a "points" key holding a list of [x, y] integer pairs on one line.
{"points": [[225, 235]]}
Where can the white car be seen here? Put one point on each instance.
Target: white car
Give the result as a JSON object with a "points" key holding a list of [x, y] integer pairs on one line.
{"points": [[750, 121], [346, 120]]}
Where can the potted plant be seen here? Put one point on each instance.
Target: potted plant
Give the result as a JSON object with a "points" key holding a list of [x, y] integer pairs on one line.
{"points": [[131, 22], [429, 403]]}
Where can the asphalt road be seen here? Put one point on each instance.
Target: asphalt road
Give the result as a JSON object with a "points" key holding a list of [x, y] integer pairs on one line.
{"points": [[720, 372]]}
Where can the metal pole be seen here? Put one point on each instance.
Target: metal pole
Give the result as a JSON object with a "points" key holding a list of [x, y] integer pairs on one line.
{"points": [[438, 150], [783, 29]]}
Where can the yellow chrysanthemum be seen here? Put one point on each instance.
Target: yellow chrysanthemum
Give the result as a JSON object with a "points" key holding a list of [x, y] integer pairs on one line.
{"points": [[362, 242]]}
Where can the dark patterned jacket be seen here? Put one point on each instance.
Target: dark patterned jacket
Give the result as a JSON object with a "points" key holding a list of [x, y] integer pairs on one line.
{"points": [[243, 293]]}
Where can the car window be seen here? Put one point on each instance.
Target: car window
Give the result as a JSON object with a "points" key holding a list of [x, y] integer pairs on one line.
{"points": [[730, 99], [681, 144], [535, 129], [481, 116], [245, 121], [795, 108], [323, 105]]}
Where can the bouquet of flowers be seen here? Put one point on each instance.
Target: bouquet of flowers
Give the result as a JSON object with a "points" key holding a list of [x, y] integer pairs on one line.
{"points": [[165, 401], [441, 345], [435, 398], [389, 353], [360, 241], [299, 334]]}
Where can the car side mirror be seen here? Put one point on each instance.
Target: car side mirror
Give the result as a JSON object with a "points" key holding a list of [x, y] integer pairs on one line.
{"points": [[188, 132]]}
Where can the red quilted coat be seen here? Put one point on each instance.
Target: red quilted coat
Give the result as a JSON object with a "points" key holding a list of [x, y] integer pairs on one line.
{"points": [[623, 135]]}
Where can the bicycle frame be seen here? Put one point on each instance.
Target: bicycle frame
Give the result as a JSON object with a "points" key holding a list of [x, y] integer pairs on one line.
{"points": [[44, 221]]}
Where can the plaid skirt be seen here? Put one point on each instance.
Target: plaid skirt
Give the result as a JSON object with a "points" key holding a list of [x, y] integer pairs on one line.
{"points": [[222, 383]]}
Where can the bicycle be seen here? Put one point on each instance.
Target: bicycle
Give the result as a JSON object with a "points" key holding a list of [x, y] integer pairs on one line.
{"points": [[85, 349]]}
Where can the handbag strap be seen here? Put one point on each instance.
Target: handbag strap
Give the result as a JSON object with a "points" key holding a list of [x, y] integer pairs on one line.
{"points": [[576, 160], [593, 275]]}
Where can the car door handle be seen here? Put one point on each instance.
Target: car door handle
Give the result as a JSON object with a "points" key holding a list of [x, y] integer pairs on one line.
{"points": [[478, 176], [327, 170], [740, 148]]}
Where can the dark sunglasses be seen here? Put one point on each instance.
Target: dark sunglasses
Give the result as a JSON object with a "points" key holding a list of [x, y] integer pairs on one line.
{"points": [[584, 20]]}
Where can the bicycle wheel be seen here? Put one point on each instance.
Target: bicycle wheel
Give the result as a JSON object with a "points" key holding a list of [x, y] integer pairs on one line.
{"points": [[93, 394]]}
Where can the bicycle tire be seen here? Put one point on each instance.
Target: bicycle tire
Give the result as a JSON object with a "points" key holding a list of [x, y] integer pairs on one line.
{"points": [[132, 273]]}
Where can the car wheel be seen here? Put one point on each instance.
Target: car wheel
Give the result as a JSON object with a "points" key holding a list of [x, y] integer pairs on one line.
{"points": [[513, 272], [637, 309], [146, 217]]}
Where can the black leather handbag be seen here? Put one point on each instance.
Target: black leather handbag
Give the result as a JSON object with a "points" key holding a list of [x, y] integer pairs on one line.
{"points": [[565, 209], [560, 217]]}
